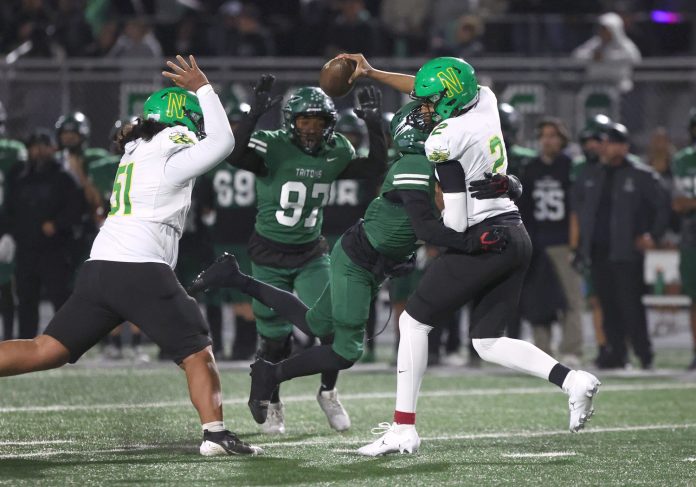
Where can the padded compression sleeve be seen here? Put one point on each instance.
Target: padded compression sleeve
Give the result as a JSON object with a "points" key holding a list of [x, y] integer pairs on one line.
{"points": [[242, 156], [375, 164]]}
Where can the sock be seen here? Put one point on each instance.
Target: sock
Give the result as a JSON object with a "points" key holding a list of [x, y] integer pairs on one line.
{"points": [[328, 378], [116, 341], [411, 362], [285, 304], [214, 426], [558, 374], [516, 355], [312, 361]]}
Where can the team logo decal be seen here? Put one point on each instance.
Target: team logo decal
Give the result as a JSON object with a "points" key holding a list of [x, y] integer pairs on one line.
{"points": [[439, 155], [175, 105], [179, 138], [450, 82]]}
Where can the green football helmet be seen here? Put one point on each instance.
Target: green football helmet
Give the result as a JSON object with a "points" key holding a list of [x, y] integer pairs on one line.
{"points": [[353, 127], [175, 106], [312, 102], [73, 122], [594, 127], [449, 83], [408, 138]]}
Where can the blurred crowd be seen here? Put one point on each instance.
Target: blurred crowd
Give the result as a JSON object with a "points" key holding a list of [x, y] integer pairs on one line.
{"points": [[593, 209], [462, 28]]}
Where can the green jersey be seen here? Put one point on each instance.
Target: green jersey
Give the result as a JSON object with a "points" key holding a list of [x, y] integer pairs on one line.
{"points": [[684, 173], [387, 225], [12, 152], [291, 197], [102, 173]]}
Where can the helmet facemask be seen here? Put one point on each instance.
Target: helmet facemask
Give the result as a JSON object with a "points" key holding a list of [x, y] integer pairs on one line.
{"points": [[423, 115], [308, 138]]}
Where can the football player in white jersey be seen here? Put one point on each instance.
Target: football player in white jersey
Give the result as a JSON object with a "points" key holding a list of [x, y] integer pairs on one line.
{"points": [[466, 145], [129, 275]]}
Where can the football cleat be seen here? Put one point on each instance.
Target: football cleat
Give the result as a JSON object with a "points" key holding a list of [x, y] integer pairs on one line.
{"points": [[225, 443], [582, 388], [263, 385], [275, 419], [224, 272], [334, 410], [397, 438]]}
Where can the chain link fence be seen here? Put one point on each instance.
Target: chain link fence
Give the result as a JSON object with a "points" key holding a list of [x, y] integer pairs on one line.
{"points": [[36, 93]]}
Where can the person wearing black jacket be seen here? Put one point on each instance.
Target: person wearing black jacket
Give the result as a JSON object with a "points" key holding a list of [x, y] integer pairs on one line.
{"points": [[622, 211], [44, 205]]}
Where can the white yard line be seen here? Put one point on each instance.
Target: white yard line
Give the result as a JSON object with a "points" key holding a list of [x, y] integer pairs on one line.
{"points": [[550, 454], [52, 453], [487, 436], [690, 459], [31, 443], [349, 397]]}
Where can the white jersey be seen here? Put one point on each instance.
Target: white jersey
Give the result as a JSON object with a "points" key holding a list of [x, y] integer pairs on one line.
{"points": [[475, 139], [153, 185]]}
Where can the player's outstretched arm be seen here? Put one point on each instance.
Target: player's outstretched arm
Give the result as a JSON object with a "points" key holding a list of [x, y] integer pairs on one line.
{"points": [[398, 81], [368, 106], [242, 156], [199, 158]]}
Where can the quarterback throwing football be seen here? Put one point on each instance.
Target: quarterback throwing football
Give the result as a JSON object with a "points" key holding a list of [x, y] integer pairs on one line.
{"points": [[129, 275], [466, 144]]}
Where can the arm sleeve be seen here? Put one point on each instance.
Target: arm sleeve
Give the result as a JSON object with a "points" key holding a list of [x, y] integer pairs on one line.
{"points": [[246, 153], [375, 164], [426, 226], [452, 180], [199, 158]]}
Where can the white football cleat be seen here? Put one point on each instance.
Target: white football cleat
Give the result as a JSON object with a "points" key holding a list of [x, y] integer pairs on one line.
{"points": [[397, 438], [334, 410], [581, 389], [275, 421]]}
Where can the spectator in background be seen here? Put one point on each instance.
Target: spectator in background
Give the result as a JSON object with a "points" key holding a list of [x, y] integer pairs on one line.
{"points": [[136, 41], [404, 21], [659, 155], [464, 42], [622, 211], [105, 40], [610, 54], [239, 32], [72, 30], [684, 203], [31, 32], [545, 208], [43, 206], [353, 30]]}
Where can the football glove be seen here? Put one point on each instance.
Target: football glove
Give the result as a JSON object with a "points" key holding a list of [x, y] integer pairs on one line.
{"points": [[496, 186], [579, 262], [486, 239], [262, 96], [368, 105]]}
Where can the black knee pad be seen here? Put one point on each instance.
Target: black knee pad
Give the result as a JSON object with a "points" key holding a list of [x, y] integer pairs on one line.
{"points": [[327, 340], [275, 351]]}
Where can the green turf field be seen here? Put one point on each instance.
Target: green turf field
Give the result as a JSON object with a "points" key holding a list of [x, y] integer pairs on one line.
{"points": [[124, 425]]}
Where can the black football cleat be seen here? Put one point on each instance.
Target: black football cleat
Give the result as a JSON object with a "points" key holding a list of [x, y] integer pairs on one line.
{"points": [[226, 443], [224, 272], [263, 385]]}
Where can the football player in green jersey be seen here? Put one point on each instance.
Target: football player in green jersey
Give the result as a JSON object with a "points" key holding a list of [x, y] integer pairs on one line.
{"points": [[13, 154], [295, 168], [684, 171], [380, 246]]}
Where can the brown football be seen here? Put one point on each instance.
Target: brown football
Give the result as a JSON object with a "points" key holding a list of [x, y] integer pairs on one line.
{"points": [[334, 76]]}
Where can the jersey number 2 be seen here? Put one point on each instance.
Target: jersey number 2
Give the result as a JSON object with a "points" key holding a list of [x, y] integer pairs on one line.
{"points": [[293, 196], [497, 150], [120, 197]]}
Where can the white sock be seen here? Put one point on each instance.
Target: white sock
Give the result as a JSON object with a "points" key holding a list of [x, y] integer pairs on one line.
{"points": [[214, 426], [411, 362], [515, 354]]}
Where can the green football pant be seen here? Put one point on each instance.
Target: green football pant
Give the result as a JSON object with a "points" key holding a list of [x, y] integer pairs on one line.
{"points": [[309, 281], [344, 307]]}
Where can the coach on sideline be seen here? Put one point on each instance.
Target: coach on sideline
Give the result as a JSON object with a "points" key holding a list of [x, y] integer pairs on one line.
{"points": [[622, 211]]}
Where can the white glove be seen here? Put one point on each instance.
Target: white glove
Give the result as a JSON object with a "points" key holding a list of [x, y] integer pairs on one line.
{"points": [[7, 248]]}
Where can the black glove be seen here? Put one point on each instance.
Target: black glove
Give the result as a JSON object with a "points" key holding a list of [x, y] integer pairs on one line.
{"points": [[368, 105], [495, 186], [486, 239], [262, 96]]}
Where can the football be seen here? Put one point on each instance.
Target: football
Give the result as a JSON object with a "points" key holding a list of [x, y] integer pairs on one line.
{"points": [[334, 76]]}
